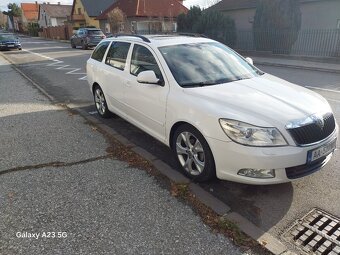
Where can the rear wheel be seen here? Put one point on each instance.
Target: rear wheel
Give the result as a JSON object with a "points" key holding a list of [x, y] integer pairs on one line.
{"points": [[73, 45], [193, 153], [100, 103]]}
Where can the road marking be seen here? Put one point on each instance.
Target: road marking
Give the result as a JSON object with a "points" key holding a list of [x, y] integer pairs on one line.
{"points": [[74, 71], [329, 90], [60, 65], [83, 78], [38, 54]]}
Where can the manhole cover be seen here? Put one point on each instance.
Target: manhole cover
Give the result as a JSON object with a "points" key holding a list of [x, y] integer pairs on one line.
{"points": [[316, 233]]}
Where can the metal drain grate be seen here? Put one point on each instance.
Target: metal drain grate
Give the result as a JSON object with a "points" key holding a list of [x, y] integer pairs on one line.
{"points": [[316, 233]]}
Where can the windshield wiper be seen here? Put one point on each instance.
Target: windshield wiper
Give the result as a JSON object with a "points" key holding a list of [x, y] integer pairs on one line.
{"points": [[198, 84]]}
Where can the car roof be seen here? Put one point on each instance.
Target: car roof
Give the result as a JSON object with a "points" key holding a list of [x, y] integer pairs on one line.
{"points": [[161, 40], [90, 28]]}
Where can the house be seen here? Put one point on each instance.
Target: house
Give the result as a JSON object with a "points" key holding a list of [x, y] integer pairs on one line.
{"points": [[29, 15], [85, 12], [145, 16], [243, 11], [51, 15], [30, 12]]}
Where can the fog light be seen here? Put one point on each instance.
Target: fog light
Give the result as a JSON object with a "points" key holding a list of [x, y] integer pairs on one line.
{"points": [[257, 173]]}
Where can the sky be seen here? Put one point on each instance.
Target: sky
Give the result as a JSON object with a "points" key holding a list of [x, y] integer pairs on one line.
{"points": [[187, 3]]}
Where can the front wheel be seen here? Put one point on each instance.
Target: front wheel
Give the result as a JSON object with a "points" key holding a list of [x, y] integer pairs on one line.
{"points": [[193, 153], [83, 45], [100, 103]]}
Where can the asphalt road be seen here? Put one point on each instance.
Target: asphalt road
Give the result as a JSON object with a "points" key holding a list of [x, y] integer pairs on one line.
{"points": [[273, 208]]}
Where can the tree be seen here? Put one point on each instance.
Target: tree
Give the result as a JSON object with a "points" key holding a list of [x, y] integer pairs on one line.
{"points": [[13, 11], [185, 22], [276, 25], [217, 26], [210, 23], [117, 20]]}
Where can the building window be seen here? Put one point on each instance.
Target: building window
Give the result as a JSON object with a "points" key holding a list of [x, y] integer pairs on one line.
{"points": [[79, 11]]}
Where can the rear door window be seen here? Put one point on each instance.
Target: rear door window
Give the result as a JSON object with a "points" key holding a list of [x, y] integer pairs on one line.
{"points": [[116, 57], [100, 50]]}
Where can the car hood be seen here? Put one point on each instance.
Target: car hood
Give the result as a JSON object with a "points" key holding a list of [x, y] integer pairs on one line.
{"points": [[265, 101]]}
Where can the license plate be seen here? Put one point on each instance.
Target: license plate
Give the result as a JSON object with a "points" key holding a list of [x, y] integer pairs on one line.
{"points": [[10, 45], [321, 151]]}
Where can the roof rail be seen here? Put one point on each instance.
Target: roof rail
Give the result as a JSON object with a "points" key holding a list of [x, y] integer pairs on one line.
{"points": [[133, 35], [191, 34]]}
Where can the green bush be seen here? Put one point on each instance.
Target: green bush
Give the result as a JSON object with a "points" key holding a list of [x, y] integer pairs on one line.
{"points": [[276, 25], [212, 24], [33, 29], [216, 26]]}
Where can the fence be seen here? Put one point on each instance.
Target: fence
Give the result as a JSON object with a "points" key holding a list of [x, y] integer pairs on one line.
{"points": [[60, 32], [323, 43]]}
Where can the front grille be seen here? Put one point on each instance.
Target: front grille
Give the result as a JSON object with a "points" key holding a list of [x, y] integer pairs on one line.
{"points": [[312, 133]]}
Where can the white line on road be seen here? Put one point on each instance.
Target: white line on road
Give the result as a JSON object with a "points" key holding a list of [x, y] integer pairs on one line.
{"points": [[38, 54], [74, 71], [329, 90], [60, 65]]}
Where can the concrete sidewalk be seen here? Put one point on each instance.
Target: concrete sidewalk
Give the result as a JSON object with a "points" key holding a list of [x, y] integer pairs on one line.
{"points": [[298, 64], [62, 193]]}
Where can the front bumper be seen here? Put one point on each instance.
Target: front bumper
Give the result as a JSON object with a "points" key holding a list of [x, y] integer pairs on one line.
{"points": [[230, 157], [10, 46]]}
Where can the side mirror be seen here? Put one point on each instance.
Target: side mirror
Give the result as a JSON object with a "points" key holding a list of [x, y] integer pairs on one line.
{"points": [[148, 77], [250, 60]]}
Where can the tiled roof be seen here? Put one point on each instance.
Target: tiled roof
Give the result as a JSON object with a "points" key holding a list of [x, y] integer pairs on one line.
{"points": [[95, 8], [30, 11], [147, 8], [57, 10]]}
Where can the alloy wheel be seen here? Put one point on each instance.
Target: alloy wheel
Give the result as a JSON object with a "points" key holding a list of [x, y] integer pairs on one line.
{"points": [[190, 153]]}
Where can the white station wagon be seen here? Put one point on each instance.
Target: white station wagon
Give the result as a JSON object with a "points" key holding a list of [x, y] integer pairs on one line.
{"points": [[220, 115]]}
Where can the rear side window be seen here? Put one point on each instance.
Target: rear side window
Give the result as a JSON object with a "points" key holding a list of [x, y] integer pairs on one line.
{"points": [[99, 52], [117, 55]]}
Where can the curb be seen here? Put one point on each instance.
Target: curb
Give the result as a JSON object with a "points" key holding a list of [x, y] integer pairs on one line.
{"points": [[298, 67], [220, 208]]}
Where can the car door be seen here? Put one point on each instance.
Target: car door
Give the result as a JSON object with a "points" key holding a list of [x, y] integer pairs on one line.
{"points": [[146, 103], [94, 66], [115, 71]]}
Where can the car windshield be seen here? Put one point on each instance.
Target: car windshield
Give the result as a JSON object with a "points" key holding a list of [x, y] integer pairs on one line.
{"points": [[7, 37], [95, 32], [203, 64]]}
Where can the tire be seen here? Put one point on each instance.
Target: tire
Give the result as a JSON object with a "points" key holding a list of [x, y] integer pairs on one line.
{"points": [[100, 103], [193, 154], [83, 45], [73, 45]]}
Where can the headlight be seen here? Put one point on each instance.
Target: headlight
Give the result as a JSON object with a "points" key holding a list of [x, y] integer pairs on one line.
{"points": [[247, 134]]}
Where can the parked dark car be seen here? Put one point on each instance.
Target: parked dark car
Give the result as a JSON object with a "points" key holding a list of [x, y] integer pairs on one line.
{"points": [[87, 37], [9, 41]]}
